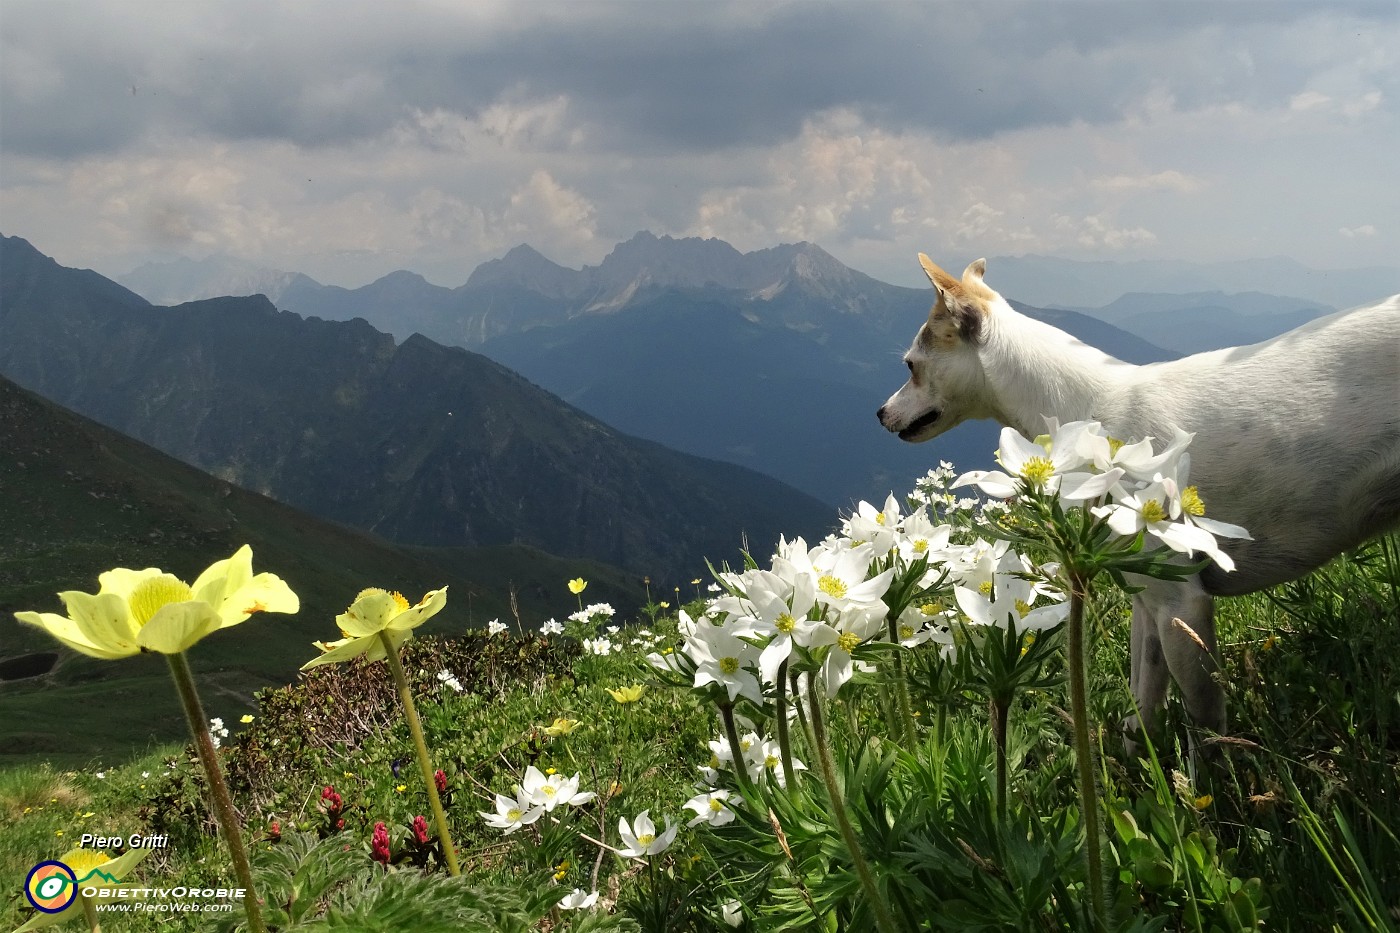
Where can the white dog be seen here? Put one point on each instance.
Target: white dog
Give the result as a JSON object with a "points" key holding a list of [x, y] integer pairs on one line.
{"points": [[1297, 440]]}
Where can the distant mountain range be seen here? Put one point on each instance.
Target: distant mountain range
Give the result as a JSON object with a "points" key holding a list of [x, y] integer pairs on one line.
{"points": [[775, 359], [419, 443], [1197, 321], [1047, 280]]}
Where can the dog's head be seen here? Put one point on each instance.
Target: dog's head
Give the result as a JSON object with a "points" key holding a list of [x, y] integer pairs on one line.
{"points": [[946, 384]]}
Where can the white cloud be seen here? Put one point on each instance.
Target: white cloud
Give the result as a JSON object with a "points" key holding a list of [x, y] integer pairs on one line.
{"points": [[1351, 233], [1169, 180]]}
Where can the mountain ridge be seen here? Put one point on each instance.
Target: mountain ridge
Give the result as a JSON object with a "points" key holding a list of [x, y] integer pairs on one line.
{"points": [[422, 443]]}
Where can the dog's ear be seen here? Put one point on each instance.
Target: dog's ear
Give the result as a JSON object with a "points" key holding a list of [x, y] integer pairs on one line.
{"points": [[940, 279], [974, 272]]}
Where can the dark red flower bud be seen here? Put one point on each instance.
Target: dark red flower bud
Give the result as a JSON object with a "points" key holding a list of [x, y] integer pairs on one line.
{"points": [[379, 844]]}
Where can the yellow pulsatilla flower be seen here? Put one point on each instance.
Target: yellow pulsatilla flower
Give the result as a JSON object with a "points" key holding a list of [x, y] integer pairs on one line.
{"points": [[149, 610], [561, 727], [578, 585], [91, 869], [628, 694], [375, 611]]}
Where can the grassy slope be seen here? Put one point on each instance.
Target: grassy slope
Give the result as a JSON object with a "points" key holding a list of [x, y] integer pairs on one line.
{"points": [[81, 499]]}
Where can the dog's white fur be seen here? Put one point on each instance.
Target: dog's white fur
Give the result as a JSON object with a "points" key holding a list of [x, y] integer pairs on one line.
{"points": [[1297, 439]]}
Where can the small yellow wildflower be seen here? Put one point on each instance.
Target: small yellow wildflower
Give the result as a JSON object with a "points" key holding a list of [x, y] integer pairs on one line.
{"points": [[561, 726], [1200, 803], [578, 585], [628, 694], [247, 718], [401, 788]]}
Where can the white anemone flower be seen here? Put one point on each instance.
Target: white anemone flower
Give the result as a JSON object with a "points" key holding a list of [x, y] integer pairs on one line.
{"points": [[549, 792], [1006, 597], [710, 808], [641, 838], [781, 613], [721, 657], [879, 527], [765, 758], [1150, 509], [578, 899], [513, 812], [1053, 464]]}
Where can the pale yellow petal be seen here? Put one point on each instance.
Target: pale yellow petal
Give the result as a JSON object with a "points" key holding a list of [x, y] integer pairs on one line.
{"points": [[396, 638], [263, 593], [344, 650], [176, 627], [122, 581], [370, 613], [430, 605], [67, 631], [104, 619], [224, 577]]}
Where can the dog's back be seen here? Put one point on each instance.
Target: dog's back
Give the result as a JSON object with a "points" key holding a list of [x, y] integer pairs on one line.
{"points": [[1297, 438]]}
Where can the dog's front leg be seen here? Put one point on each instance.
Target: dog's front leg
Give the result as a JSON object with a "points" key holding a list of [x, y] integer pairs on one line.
{"points": [[1186, 627], [1174, 633], [1147, 676]]}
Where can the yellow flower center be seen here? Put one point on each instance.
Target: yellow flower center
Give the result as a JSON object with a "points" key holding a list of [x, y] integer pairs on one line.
{"points": [[1037, 470], [514, 813], [847, 641], [1022, 607], [729, 665], [906, 631], [932, 608], [831, 586], [154, 593], [83, 861], [400, 603], [920, 545], [769, 761], [785, 624], [549, 790], [716, 806], [1191, 502], [646, 839], [880, 518], [1152, 511], [744, 744], [985, 588], [1114, 445]]}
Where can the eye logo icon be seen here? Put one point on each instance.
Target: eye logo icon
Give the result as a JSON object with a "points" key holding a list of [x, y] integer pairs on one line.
{"points": [[51, 887]]}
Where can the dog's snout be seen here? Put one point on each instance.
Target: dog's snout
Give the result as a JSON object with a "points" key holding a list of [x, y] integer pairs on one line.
{"points": [[881, 413]]}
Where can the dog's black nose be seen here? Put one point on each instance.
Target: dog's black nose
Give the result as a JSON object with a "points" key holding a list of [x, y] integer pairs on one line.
{"points": [[881, 414]]}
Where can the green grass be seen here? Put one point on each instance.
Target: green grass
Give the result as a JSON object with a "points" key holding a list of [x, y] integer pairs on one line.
{"points": [[1298, 819]]}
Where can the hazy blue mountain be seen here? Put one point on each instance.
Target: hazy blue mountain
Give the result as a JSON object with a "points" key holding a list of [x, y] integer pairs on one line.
{"points": [[1198, 321], [181, 280], [1046, 280], [713, 373], [774, 359], [419, 443]]}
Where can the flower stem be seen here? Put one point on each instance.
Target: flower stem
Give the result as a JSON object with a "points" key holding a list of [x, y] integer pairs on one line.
{"points": [[999, 713], [781, 726], [901, 688], [1084, 749], [90, 915], [219, 798], [420, 747], [736, 750], [883, 919]]}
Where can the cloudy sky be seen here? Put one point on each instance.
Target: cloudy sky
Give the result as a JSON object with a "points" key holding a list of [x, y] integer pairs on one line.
{"points": [[346, 140]]}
